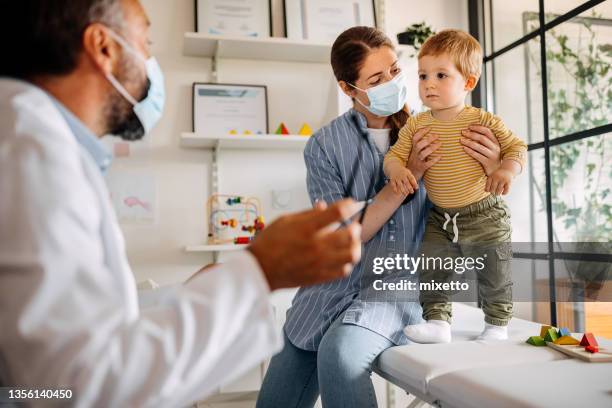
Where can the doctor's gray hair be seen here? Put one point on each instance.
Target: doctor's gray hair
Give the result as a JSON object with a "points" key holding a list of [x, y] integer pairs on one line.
{"points": [[45, 37]]}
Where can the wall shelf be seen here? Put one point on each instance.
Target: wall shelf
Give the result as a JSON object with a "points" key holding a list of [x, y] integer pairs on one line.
{"points": [[214, 248], [271, 49], [264, 142]]}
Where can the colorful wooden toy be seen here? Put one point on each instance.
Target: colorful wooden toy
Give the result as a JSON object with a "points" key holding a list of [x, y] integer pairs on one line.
{"points": [[567, 341], [242, 240], [233, 200], [305, 130], [551, 335], [536, 341], [282, 129], [592, 349], [564, 331], [544, 329], [588, 340], [259, 223], [231, 217], [231, 222]]}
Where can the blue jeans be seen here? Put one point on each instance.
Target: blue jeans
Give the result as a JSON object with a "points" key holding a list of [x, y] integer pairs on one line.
{"points": [[340, 371]]}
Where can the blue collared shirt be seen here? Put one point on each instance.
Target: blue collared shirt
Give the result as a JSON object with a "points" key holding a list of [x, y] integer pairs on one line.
{"points": [[329, 155], [86, 138]]}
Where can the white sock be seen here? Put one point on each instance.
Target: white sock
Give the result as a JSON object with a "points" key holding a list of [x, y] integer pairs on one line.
{"points": [[433, 331], [492, 332]]}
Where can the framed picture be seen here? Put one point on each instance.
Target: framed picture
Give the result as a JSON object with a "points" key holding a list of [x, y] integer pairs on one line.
{"points": [[323, 20], [221, 109], [242, 18]]}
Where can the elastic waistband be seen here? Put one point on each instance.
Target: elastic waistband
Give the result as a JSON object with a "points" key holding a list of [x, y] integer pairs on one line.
{"points": [[479, 206]]}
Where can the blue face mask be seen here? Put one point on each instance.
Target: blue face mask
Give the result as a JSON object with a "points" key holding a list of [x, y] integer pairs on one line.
{"points": [[149, 110], [388, 98]]}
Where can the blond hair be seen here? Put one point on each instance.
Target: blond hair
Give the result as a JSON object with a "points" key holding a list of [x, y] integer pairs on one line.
{"points": [[464, 50]]}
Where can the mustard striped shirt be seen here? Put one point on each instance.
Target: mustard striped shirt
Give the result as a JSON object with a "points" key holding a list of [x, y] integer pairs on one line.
{"points": [[457, 179]]}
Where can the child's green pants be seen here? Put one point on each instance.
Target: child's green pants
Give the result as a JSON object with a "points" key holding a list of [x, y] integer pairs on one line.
{"points": [[483, 230]]}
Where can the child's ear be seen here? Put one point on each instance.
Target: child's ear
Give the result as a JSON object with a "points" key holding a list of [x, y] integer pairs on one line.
{"points": [[470, 83]]}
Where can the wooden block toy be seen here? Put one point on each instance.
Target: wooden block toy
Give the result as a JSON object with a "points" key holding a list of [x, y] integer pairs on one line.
{"points": [[551, 335], [544, 329], [601, 356], [592, 349], [305, 130], [282, 129], [567, 341], [564, 331], [536, 341], [588, 340]]}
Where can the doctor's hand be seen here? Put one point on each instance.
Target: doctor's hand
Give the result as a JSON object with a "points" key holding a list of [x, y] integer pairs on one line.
{"points": [[306, 248]]}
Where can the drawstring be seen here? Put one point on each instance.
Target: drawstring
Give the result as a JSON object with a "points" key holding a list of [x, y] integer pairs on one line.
{"points": [[455, 229]]}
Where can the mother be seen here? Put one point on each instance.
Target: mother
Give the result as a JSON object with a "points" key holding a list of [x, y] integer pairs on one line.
{"points": [[335, 331]]}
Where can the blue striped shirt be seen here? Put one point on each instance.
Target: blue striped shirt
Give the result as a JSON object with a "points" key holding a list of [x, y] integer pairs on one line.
{"points": [[329, 155]]}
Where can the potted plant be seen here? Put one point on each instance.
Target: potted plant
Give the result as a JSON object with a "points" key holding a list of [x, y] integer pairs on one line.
{"points": [[415, 35]]}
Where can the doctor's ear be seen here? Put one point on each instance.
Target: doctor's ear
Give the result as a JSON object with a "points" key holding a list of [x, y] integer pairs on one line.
{"points": [[100, 47]]}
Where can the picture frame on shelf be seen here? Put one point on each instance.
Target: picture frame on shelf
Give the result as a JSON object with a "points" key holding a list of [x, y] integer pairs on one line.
{"points": [[225, 109], [322, 21], [236, 18]]}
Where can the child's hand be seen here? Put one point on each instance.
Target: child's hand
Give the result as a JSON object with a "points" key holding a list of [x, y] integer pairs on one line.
{"points": [[403, 181], [499, 182]]}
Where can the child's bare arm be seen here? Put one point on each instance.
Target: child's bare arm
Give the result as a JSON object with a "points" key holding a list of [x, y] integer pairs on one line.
{"points": [[401, 179], [500, 181]]}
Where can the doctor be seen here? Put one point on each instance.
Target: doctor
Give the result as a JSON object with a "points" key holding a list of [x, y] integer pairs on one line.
{"points": [[74, 71]]}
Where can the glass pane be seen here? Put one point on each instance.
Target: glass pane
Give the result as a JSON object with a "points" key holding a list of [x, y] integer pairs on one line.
{"points": [[514, 80], [555, 8], [584, 296], [578, 58], [540, 301], [527, 201], [511, 20], [581, 190]]}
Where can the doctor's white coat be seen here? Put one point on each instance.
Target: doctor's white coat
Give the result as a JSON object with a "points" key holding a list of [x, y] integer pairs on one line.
{"points": [[69, 315]]}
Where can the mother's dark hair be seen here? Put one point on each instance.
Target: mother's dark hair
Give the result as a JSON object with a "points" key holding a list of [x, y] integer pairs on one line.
{"points": [[348, 55]]}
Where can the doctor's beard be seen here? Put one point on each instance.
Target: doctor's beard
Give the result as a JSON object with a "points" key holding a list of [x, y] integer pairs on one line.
{"points": [[121, 121]]}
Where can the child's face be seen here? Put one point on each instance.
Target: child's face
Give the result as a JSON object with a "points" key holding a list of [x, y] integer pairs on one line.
{"points": [[441, 85]]}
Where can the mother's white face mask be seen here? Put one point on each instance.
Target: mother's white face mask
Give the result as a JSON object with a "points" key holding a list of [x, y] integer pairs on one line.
{"points": [[388, 98], [149, 110]]}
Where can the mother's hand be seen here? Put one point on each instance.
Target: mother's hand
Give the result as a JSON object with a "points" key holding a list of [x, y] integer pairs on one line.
{"points": [[480, 143], [421, 158]]}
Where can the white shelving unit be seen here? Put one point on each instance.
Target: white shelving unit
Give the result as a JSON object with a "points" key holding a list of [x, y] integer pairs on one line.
{"points": [[271, 49], [214, 248], [263, 142]]}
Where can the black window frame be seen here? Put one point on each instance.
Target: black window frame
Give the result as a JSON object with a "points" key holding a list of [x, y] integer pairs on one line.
{"points": [[477, 27]]}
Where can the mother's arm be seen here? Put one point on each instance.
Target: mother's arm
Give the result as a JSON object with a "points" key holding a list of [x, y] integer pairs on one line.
{"points": [[386, 201], [480, 143]]}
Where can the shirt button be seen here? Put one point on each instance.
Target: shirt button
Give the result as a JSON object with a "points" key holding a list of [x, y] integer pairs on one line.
{"points": [[391, 222], [392, 237]]}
